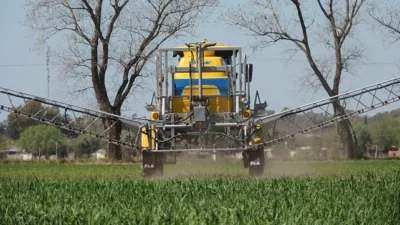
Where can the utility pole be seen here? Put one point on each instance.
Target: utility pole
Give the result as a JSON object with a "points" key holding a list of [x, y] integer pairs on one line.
{"points": [[48, 70], [56, 148]]}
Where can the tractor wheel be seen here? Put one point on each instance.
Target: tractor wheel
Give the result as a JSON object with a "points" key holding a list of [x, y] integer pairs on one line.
{"points": [[153, 164], [256, 162]]}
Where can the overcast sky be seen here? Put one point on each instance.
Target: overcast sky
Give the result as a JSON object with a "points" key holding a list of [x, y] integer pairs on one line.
{"points": [[23, 69]]}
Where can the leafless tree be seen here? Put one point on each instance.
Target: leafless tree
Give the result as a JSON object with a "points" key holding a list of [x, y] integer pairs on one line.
{"points": [[326, 22], [109, 39], [387, 15]]}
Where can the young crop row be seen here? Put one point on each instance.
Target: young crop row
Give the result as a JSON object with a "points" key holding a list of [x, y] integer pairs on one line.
{"points": [[364, 199]]}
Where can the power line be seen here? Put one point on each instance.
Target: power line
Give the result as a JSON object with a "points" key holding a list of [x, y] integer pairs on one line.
{"points": [[305, 61], [29, 64], [280, 60]]}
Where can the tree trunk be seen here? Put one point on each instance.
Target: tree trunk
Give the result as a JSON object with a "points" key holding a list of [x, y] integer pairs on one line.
{"points": [[346, 133], [114, 133], [115, 151]]}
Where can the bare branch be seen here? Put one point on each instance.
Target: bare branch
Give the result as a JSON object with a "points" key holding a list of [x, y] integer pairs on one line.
{"points": [[387, 16], [323, 9], [263, 21], [83, 89], [350, 18], [109, 43], [95, 16], [77, 28]]}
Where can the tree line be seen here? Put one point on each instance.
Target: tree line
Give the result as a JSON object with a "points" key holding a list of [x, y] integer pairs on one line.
{"points": [[44, 140], [378, 132], [381, 130]]}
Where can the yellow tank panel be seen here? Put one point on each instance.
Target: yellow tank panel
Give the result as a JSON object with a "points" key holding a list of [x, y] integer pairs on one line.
{"points": [[207, 90], [216, 105], [215, 84], [208, 61]]}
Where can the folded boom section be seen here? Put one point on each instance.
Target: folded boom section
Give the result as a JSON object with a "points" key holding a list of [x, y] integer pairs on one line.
{"points": [[320, 114], [71, 120]]}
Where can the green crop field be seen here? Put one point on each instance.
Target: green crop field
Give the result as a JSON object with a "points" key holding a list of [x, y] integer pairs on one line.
{"points": [[345, 192]]}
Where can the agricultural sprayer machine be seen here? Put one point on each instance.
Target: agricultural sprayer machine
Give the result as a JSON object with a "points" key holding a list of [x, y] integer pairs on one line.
{"points": [[202, 104]]}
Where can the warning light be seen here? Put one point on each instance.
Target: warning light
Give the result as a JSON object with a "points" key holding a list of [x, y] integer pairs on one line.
{"points": [[246, 114], [155, 116]]}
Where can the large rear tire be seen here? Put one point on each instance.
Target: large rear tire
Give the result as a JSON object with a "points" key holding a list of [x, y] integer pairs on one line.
{"points": [[256, 162]]}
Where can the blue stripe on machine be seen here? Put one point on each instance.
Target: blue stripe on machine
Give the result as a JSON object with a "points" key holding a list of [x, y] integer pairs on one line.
{"points": [[220, 83]]}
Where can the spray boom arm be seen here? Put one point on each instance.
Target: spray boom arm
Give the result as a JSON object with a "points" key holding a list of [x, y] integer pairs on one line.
{"points": [[320, 114], [275, 128]]}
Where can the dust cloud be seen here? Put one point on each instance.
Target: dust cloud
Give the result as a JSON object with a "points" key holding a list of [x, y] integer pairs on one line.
{"points": [[233, 168]]}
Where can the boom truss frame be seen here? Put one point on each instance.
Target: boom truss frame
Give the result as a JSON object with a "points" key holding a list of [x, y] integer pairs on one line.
{"points": [[365, 99], [355, 102]]}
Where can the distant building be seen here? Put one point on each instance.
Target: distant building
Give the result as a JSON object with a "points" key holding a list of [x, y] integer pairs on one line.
{"points": [[17, 154], [27, 157], [12, 151], [371, 154], [13, 154], [99, 154]]}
